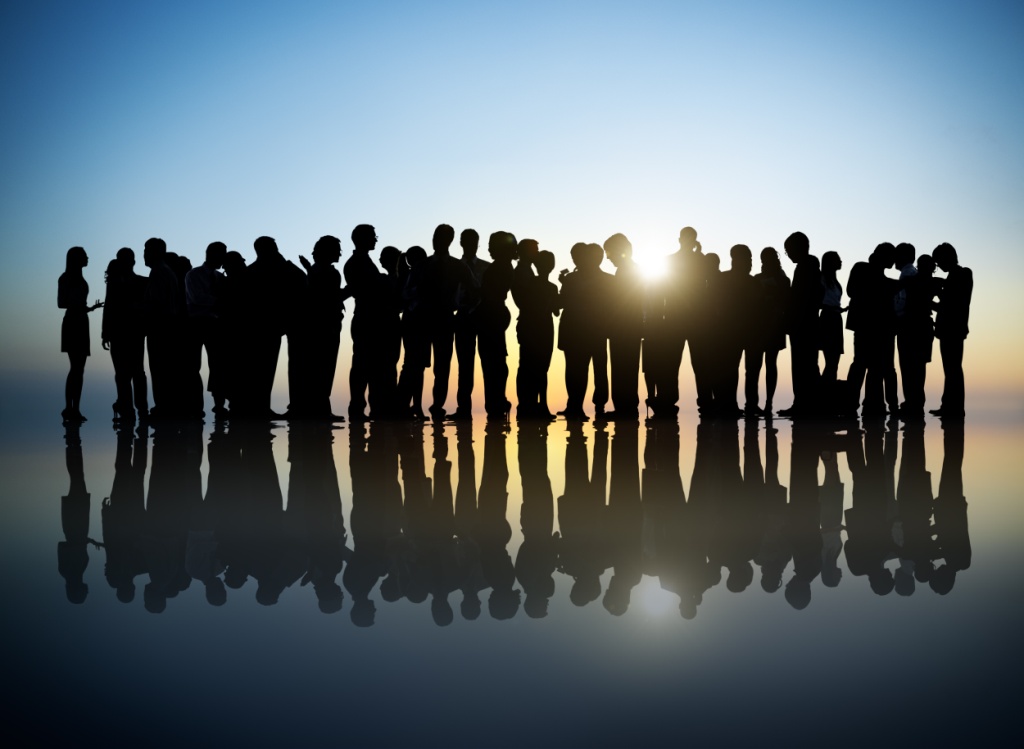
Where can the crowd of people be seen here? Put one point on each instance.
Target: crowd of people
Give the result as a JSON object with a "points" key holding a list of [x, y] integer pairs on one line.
{"points": [[413, 311]]}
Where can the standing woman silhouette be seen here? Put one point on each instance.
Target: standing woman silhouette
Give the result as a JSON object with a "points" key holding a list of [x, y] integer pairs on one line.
{"points": [[73, 298]]}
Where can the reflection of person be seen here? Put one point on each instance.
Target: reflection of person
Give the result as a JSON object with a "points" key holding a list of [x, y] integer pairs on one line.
{"points": [[72, 297], [72, 552], [538, 554], [951, 536]]}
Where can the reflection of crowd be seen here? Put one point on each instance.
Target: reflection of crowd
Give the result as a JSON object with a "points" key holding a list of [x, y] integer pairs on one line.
{"points": [[413, 311], [425, 528]]}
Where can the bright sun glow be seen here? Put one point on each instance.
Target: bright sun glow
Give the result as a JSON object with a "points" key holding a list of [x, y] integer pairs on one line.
{"points": [[651, 266]]}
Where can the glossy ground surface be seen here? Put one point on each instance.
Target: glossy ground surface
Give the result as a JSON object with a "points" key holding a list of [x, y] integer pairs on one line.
{"points": [[717, 584]]}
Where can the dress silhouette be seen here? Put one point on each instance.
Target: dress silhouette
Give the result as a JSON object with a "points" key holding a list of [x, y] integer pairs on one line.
{"points": [[72, 297]]}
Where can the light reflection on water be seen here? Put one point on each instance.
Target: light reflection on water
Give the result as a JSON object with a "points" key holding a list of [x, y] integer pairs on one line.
{"points": [[698, 584]]}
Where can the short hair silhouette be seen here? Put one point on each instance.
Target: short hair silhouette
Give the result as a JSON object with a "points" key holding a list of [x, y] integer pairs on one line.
{"points": [[617, 246], [327, 247], [215, 252], [797, 246], [126, 255], [444, 235], [545, 261], [265, 246], [944, 255], [364, 236], [904, 254]]}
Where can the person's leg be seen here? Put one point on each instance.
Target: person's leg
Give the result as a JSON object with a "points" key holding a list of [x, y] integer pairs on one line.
{"points": [[465, 354], [73, 384], [752, 361], [599, 356], [443, 344], [952, 351], [771, 378]]}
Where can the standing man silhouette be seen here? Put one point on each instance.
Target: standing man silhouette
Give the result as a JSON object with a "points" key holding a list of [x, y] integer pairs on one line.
{"points": [[951, 329], [804, 304], [625, 330], [202, 299], [163, 330], [494, 321], [467, 323], [443, 275]]}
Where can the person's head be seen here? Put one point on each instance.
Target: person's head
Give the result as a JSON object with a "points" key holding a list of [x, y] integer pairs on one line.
{"points": [[76, 259], [578, 253], [926, 265], [798, 593], [712, 263], [154, 252], [831, 262], [831, 576], [618, 249], [415, 255], [797, 246], [266, 247], [444, 235], [470, 242], [945, 257], [884, 255], [114, 270], [740, 577], [215, 252], [536, 607], [441, 610], [216, 593], [363, 613], [585, 589], [501, 246], [528, 249], [327, 250], [688, 239], [364, 238], [770, 262], [881, 581], [594, 255], [126, 256], [544, 262], [503, 603], [741, 257], [389, 258], [329, 598], [470, 607], [904, 254], [234, 263]]}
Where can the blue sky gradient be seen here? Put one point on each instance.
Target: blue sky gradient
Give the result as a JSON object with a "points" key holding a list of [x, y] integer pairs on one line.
{"points": [[854, 122]]}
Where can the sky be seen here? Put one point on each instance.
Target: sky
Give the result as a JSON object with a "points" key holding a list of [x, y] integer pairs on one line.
{"points": [[855, 123]]}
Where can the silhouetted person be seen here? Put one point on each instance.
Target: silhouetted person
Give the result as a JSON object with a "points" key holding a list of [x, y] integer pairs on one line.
{"points": [[913, 331], [164, 331], [869, 522], [314, 503], [582, 330], [625, 329], [872, 320], [664, 511], [415, 335], [625, 519], [522, 284], [775, 550], [703, 335], [493, 530], [73, 551], [735, 295], [370, 346], [951, 328], [73, 298], [803, 514], [272, 292], [376, 513], [951, 534], [124, 513], [202, 297], [830, 331], [769, 333], [669, 323], [805, 301], [494, 321], [914, 502], [538, 554], [232, 324], [538, 305], [443, 276], [124, 335], [175, 494], [320, 334], [390, 327], [582, 549], [467, 323], [471, 579]]}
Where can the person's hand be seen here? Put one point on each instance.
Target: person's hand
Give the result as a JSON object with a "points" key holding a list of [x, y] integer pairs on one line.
{"points": [[305, 263], [106, 345], [97, 305]]}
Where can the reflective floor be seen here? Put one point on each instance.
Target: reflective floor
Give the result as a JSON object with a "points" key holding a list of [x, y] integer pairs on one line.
{"points": [[714, 584]]}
